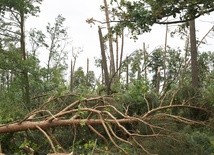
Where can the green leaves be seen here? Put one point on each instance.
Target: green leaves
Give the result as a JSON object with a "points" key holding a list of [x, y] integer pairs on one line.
{"points": [[139, 15], [82, 82], [25, 6]]}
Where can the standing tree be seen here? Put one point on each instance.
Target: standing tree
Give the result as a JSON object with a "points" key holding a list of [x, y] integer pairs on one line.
{"points": [[13, 15], [194, 55], [54, 42], [58, 41], [75, 53]]}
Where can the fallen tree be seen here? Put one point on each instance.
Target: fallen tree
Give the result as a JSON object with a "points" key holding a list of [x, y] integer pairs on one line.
{"points": [[115, 121]]}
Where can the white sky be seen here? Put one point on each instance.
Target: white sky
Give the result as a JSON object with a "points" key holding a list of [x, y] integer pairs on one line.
{"points": [[77, 11]]}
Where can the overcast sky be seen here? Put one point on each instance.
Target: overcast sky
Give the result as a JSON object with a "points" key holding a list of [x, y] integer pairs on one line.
{"points": [[77, 11]]}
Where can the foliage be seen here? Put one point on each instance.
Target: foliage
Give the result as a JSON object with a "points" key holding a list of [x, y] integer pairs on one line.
{"points": [[140, 15], [26, 6], [83, 83], [192, 143]]}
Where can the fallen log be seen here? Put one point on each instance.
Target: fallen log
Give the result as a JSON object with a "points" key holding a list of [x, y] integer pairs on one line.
{"points": [[30, 125]]}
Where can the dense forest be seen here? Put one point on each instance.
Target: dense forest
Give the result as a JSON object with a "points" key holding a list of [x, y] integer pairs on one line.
{"points": [[148, 102]]}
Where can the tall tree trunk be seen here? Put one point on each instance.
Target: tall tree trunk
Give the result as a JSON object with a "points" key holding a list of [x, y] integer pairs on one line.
{"points": [[121, 52], [50, 58], [87, 65], [145, 61], [51, 52], [157, 80], [73, 64], [87, 71], [104, 62], [164, 61], [25, 79], [102, 74], [117, 53], [194, 55], [1, 81], [185, 61], [127, 74], [111, 50], [71, 76]]}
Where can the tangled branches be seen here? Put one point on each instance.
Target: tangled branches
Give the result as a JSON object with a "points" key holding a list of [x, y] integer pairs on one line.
{"points": [[108, 120]]}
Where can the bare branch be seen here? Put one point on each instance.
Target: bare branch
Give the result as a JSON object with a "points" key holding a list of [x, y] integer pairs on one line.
{"points": [[49, 139]]}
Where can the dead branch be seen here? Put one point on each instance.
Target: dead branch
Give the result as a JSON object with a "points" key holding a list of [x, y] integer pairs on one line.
{"points": [[97, 132], [49, 139]]}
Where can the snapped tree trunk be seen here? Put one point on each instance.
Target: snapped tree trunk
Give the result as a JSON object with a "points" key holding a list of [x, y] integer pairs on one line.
{"points": [[104, 62]]}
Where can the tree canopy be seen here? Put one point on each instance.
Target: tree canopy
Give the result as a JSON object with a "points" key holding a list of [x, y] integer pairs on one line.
{"points": [[26, 6], [139, 15]]}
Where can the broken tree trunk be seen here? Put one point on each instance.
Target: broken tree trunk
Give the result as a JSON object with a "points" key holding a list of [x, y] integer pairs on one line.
{"points": [[30, 125], [104, 62]]}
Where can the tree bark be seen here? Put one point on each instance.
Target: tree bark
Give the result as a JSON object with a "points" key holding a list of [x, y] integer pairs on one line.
{"points": [[104, 62], [157, 80], [71, 76], [117, 53], [121, 52], [111, 50], [87, 66], [145, 61], [25, 79], [194, 55], [50, 57], [87, 71], [28, 125], [164, 59], [127, 73]]}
